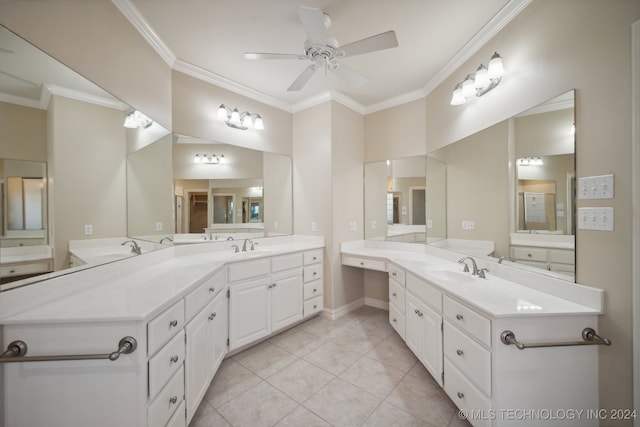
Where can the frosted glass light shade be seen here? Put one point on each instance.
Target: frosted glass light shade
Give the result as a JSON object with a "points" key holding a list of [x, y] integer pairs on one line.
{"points": [[496, 67]]}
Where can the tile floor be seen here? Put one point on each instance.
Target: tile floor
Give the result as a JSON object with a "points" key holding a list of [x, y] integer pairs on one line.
{"points": [[353, 371]]}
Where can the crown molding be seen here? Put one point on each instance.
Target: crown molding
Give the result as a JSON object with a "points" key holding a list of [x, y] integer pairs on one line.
{"points": [[225, 83], [132, 14], [85, 97], [395, 101], [493, 27], [321, 98], [25, 102]]}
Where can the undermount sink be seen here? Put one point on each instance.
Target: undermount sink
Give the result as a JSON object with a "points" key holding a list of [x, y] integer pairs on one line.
{"points": [[254, 253], [449, 275]]}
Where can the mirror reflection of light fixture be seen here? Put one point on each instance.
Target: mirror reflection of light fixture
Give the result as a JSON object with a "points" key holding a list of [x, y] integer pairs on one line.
{"points": [[482, 81], [530, 161], [208, 159], [238, 120], [135, 119]]}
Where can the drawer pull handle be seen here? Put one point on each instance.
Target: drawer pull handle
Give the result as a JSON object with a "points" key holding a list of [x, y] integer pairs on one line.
{"points": [[212, 290], [173, 400], [459, 352], [361, 263], [459, 316], [175, 359], [212, 316], [315, 290], [394, 274], [460, 395], [529, 255], [315, 273], [418, 313], [315, 306], [12, 271], [395, 320], [315, 258], [394, 294], [173, 323]]}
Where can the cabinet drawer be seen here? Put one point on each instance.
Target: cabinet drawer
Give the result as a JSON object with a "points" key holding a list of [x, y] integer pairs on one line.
{"points": [[369, 264], [164, 326], [312, 289], [465, 318], [165, 363], [468, 356], [23, 269], [396, 274], [562, 257], [178, 418], [312, 306], [396, 296], [465, 395], [248, 270], [396, 319], [286, 262], [204, 293], [425, 291], [312, 272], [531, 254], [170, 398], [312, 257]]}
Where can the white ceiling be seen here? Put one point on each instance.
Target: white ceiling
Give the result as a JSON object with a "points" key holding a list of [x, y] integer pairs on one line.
{"points": [[434, 36], [207, 39]]}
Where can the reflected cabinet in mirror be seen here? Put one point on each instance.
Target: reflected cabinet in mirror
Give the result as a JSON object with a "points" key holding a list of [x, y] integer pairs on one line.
{"points": [[224, 192]]}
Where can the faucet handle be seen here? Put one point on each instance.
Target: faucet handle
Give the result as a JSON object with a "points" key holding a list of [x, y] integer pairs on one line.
{"points": [[466, 267], [236, 248], [253, 245], [482, 273]]}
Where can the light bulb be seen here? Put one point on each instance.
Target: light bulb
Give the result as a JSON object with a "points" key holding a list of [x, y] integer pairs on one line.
{"points": [[222, 112], [482, 78], [246, 121], [235, 116], [496, 68], [257, 123], [467, 87], [458, 97]]}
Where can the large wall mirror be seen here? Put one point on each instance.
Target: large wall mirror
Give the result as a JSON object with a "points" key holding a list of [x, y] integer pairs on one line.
{"points": [[505, 192], [224, 191]]}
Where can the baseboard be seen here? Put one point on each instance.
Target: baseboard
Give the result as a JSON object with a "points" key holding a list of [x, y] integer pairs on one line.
{"points": [[372, 302], [341, 311]]}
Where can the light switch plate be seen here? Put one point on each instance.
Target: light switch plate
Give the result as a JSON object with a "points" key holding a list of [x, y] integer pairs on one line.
{"points": [[88, 230], [595, 219], [158, 226], [595, 187]]}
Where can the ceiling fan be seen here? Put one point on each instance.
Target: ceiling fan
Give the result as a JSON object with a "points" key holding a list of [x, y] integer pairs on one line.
{"points": [[324, 51]]}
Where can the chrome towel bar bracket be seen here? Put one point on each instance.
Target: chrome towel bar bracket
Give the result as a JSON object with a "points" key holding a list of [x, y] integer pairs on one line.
{"points": [[17, 350], [589, 337]]}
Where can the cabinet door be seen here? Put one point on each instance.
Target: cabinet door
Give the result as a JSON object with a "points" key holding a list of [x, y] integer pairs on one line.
{"points": [[197, 360], [286, 299], [218, 331], [249, 312], [423, 330]]}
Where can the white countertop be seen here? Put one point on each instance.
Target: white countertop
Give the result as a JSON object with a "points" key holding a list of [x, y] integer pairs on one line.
{"points": [[21, 254], [507, 292], [136, 288]]}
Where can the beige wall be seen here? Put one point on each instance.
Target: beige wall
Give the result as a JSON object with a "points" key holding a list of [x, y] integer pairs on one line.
{"points": [[278, 194], [23, 133], [96, 40], [195, 113], [87, 160]]}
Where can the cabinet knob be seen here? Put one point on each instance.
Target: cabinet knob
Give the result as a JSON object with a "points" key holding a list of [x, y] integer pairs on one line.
{"points": [[212, 316], [315, 258], [11, 271], [173, 323], [175, 359], [173, 400], [361, 263], [315, 273], [393, 274], [395, 320], [459, 352], [459, 316], [529, 255], [460, 395], [315, 306], [315, 290], [212, 290], [394, 294]]}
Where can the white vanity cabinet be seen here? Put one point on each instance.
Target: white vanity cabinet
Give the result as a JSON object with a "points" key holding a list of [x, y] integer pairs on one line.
{"points": [[270, 301], [206, 338], [313, 284], [551, 259], [397, 299], [423, 324]]}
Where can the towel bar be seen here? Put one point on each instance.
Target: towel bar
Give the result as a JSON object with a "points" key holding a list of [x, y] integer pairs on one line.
{"points": [[17, 350], [589, 337]]}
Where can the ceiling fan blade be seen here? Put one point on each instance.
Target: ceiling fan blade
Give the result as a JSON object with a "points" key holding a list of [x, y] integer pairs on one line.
{"points": [[371, 44], [354, 78], [315, 24], [303, 78], [251, 55]]}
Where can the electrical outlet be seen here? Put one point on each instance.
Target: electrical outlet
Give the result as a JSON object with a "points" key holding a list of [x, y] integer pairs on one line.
{"points": [[429, 224], [275, 225], [314, 227], [600, 219], [595, 187], [88, 230], [353, 226], [374, 224], [465, 225], [472, 225], [158, 226]]}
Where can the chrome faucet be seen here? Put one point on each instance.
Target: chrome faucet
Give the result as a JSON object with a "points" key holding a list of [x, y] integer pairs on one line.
{"points": [[135, 249], [244, 245], [230, 238], [166, 238], [466, 266], [508, 258]]}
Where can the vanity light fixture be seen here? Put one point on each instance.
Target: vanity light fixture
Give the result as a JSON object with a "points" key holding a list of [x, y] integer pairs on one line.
{"points": [[238, 120], [530, 161], [135, 119], [482, 81], [208, 159]]}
